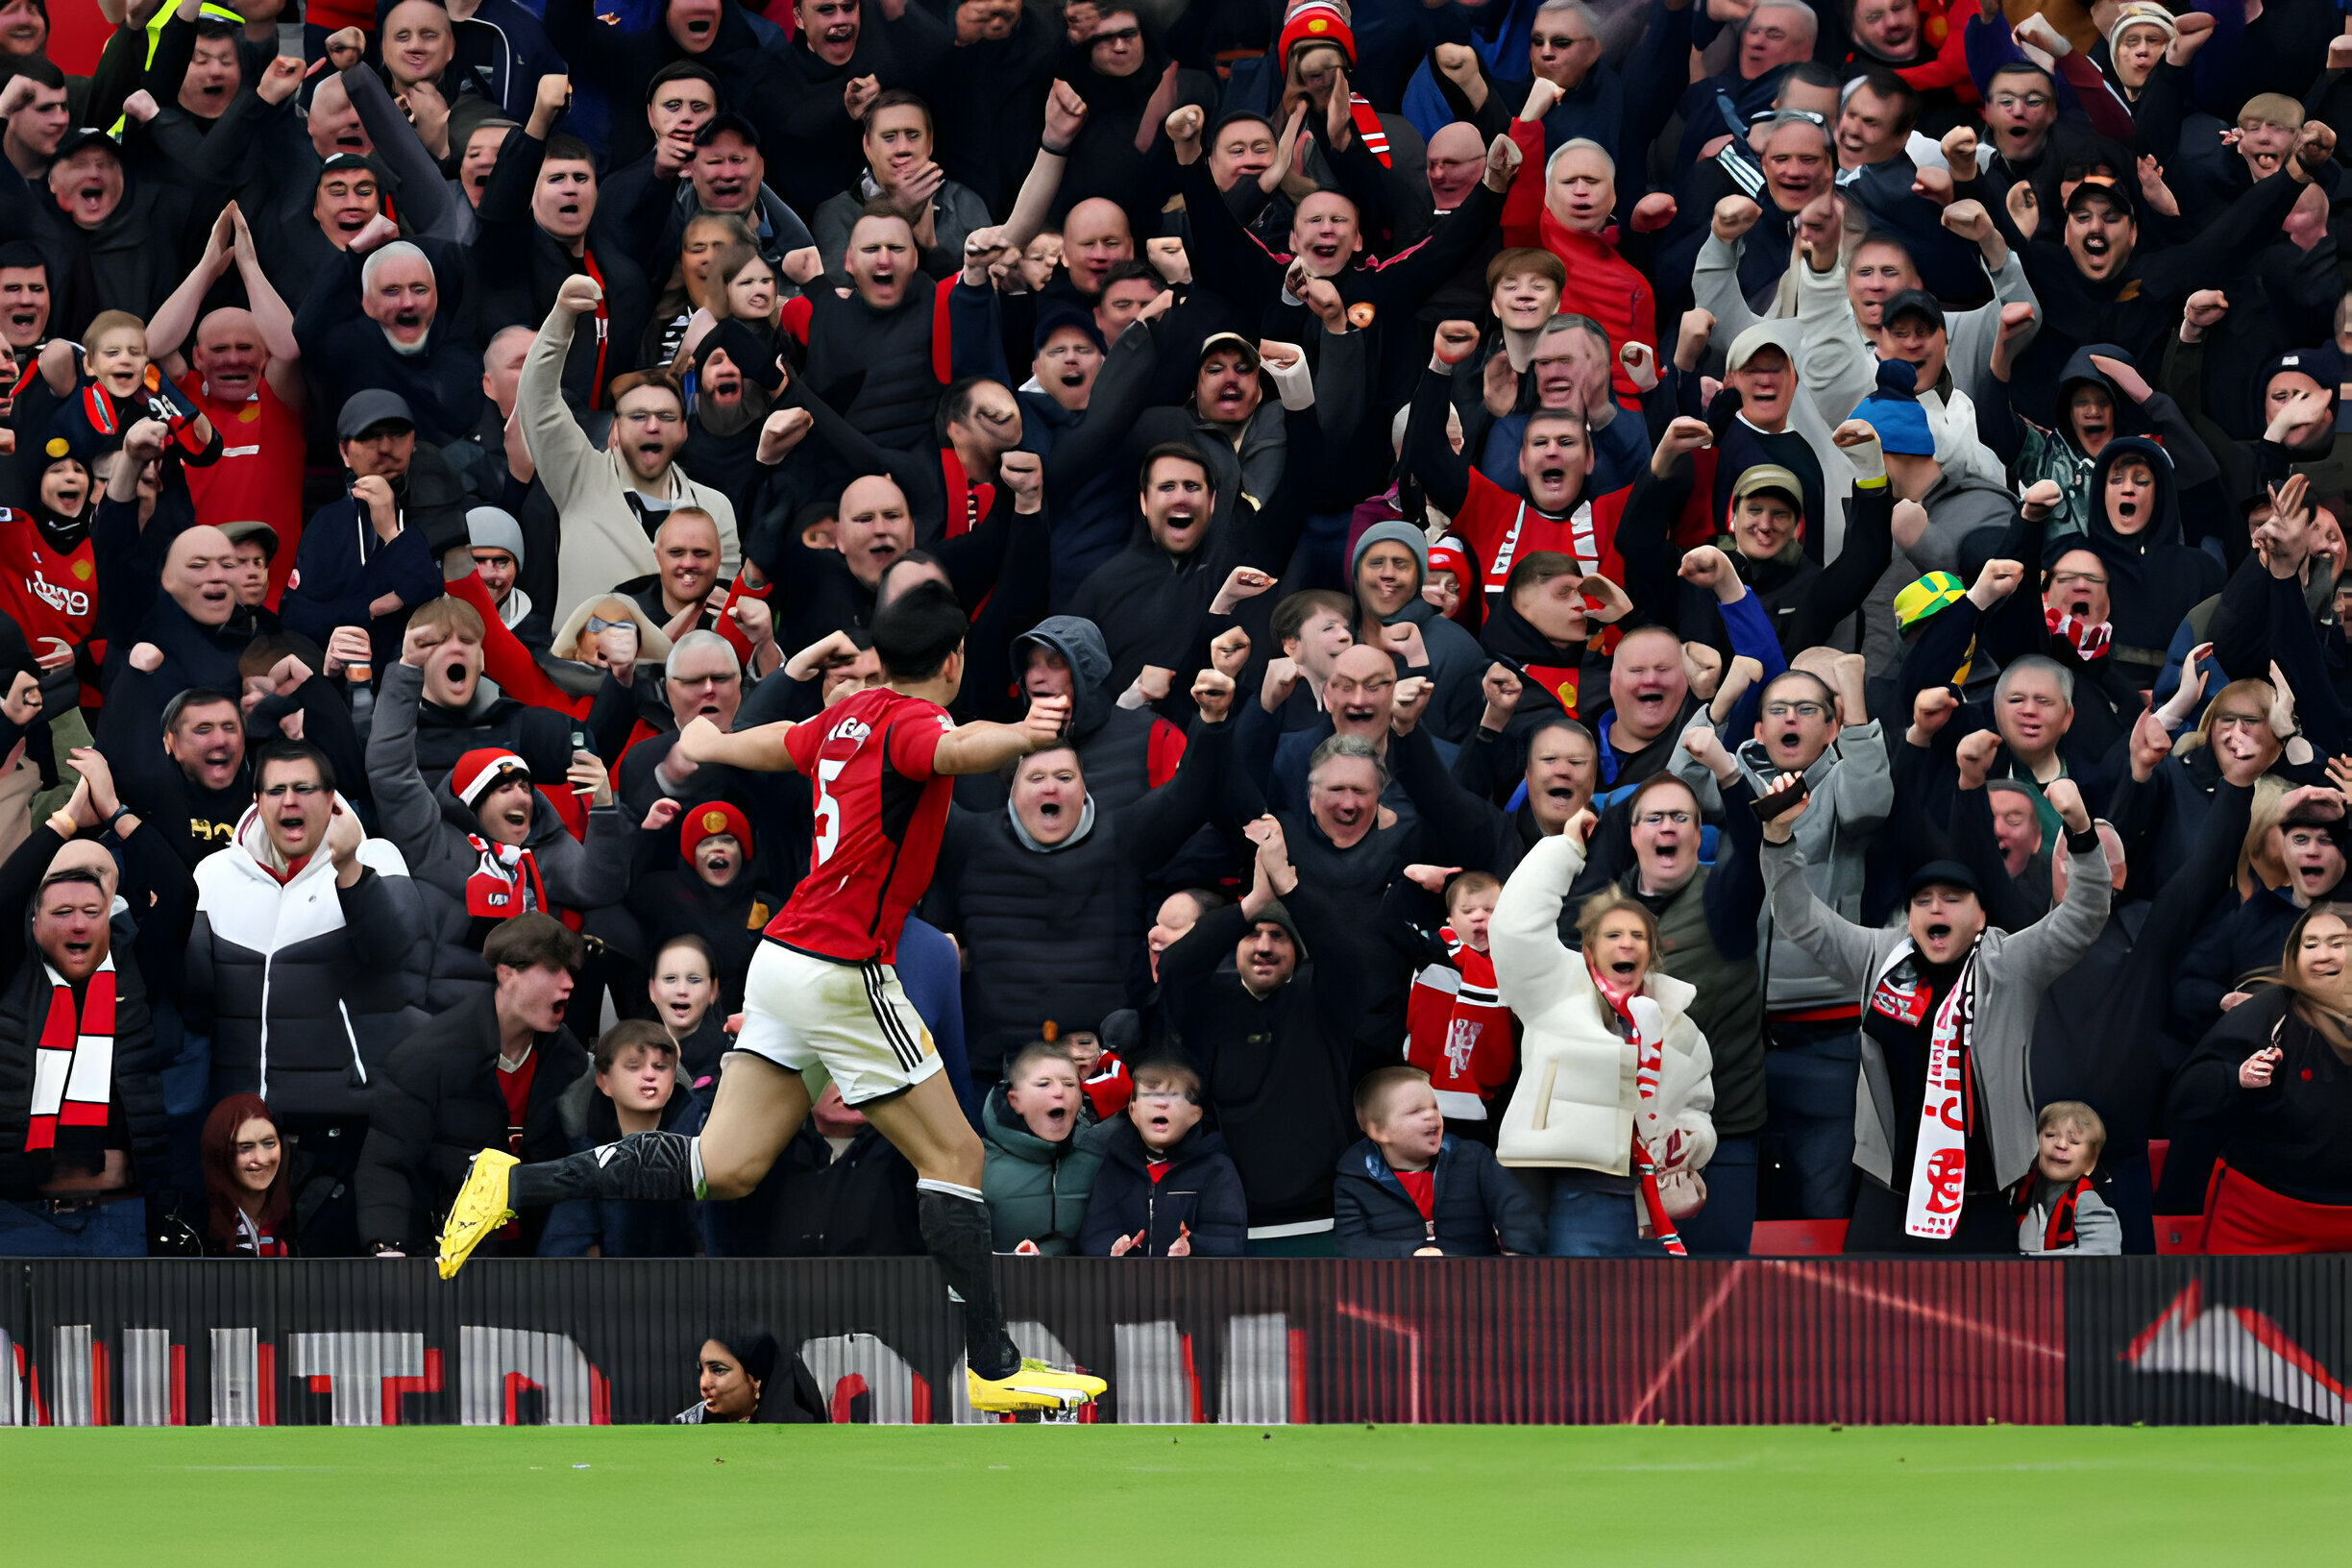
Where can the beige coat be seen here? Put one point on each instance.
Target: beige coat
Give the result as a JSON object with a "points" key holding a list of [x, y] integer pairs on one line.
{"points": [[602, 542], [1576, 1099]]}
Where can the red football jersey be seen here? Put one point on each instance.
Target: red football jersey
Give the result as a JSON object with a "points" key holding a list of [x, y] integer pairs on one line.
{"points": [[880, 811]]}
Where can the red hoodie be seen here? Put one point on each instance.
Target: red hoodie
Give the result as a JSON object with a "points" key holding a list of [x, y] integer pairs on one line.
{"points": [[1600, 283]]}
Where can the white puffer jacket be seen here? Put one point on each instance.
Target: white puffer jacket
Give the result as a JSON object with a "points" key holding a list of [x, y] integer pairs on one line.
{"points": [[1576, 1099]]}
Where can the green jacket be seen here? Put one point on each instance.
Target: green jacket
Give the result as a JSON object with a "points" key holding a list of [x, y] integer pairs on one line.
{"points": [[1035, 1191]]}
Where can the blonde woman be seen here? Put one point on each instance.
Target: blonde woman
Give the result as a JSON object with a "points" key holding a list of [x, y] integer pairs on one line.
{"points": [[1615, 1085]]}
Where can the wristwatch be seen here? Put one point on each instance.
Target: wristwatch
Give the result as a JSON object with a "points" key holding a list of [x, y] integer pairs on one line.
{"points": [[115, 817]]}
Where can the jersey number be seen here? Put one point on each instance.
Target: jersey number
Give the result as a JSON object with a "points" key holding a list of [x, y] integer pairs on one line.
{"points": [[828, 809]]}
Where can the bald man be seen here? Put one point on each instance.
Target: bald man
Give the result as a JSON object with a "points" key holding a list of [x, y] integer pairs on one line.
{"points": [[191, 634], [684, 590], [1094, 238], [1456, 160], [245, 374]]}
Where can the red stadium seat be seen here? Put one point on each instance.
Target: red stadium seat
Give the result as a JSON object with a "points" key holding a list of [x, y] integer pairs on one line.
{"points": [[2158, 1149], [1797, 1238], [2180, 1234]]}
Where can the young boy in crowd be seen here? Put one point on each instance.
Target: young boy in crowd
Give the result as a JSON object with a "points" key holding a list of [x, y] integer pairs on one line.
{"points": [[121, 386], [1036, 1170], [2058, 1204], [1409, 1188], [1099, 1056], [634, 1088], [1458, 1034], [1166, 1187]]}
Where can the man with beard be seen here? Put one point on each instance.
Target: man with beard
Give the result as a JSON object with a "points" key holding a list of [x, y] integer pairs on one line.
{"points": [[733, 375], [369, 325], [535, 216], [244, 375], [812, 93], [610, 501]]}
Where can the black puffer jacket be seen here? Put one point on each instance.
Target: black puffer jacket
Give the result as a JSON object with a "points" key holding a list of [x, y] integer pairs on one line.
{"points": [[309, 986], [1058, 933], [437, 1104], [876, 366]]}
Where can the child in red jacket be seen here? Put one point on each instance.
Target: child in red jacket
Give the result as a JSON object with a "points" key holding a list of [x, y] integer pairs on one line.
{"points": [[1458, 1030]]}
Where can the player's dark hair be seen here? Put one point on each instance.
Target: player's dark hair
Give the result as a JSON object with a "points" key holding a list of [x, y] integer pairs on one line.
{"points": [[915, 632], [531, 941], [293, 751]]}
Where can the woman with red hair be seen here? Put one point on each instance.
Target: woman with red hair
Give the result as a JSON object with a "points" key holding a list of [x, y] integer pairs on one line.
{"points": [[249, 1198]]}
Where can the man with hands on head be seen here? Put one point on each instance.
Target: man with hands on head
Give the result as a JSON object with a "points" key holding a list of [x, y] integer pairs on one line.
{"points": [[1945, 1124]]}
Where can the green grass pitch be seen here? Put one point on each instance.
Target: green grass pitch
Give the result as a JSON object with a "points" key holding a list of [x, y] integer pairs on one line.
{"points": [[1371, 1498]]}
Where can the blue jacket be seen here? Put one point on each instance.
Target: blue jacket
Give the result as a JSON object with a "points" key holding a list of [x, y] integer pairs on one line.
{"points": [[1201, 1192], [341, 567], [1481, 1210], [621, 1227]]}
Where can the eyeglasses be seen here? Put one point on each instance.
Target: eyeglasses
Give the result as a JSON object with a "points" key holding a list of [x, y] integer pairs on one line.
{"points": [[1655, 818], [1120, 35], [2034, 102], [1161, 1096], [300, 791], [2077, 579], [1795, 710]]}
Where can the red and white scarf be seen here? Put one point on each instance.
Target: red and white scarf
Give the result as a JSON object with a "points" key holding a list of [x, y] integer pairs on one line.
{"points": [[2058, 1230], [504, 882], [2088, 642], [1644, 1024], [1939, 1168], [73, 1069]]}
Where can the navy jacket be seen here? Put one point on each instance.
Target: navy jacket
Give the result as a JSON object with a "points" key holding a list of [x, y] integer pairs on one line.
{"points": [[1481, 1209], [1201, 1192], [2253, 935]]}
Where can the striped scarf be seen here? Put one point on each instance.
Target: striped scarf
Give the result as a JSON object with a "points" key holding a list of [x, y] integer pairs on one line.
{"points": [[2088, 642], [1939, 1168], [1646, 1027], [73, 1070], [1368, 126]]}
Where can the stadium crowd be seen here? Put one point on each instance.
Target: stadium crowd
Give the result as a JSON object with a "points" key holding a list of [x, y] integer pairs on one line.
{"points": [[1677, 613]]}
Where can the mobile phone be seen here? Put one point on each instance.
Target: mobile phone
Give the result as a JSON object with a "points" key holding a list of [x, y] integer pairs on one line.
{"points": [[290, 44], [1768, 806]]}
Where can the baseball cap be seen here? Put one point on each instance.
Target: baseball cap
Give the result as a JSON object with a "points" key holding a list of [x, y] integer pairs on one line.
{"points": [[1762, 477], [2101, 184], [1943, 873], [346, 163], [709, 820], [1772, 332], [1912, 302], [482, 767], [363, 411], [88, 135], [1235, 341], [722, 122], [239, 532], [1916, 601]]}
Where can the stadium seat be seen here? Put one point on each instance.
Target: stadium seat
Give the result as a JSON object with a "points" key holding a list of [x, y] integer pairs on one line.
{"points": [[1797, 1238], [2158, 1149], [2177, 1234]]}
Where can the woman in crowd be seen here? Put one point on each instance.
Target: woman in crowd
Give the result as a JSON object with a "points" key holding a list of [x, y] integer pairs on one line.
{"points": [[249, 1193]]}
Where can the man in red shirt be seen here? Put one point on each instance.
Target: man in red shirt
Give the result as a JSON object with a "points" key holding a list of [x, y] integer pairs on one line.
{"points": [[244, 374], [822, 989]]}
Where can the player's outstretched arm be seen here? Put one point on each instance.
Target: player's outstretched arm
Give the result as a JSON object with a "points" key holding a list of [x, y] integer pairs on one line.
{"points": [[760, 749], [984, 748]]}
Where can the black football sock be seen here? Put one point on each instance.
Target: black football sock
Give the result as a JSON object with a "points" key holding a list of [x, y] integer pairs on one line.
{"points": [[955, 1227], [640, 1166]]}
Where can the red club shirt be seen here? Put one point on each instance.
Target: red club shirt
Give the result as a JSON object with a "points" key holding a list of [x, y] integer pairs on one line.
{"points": [[259, 476], [880, 811]]}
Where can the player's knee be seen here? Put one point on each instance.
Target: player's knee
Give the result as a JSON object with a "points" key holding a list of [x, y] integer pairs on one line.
{"points": [[728, 1174]]}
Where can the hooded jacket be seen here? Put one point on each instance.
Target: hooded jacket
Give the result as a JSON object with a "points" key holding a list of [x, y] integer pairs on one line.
{"points": [[2052, 453], [1035, 1191], [2153, 580], [1480, 1208], [1199, 1193], [429, 826], [621, 1227], [309, 986], [1576, 1102], [1125, 751]]}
